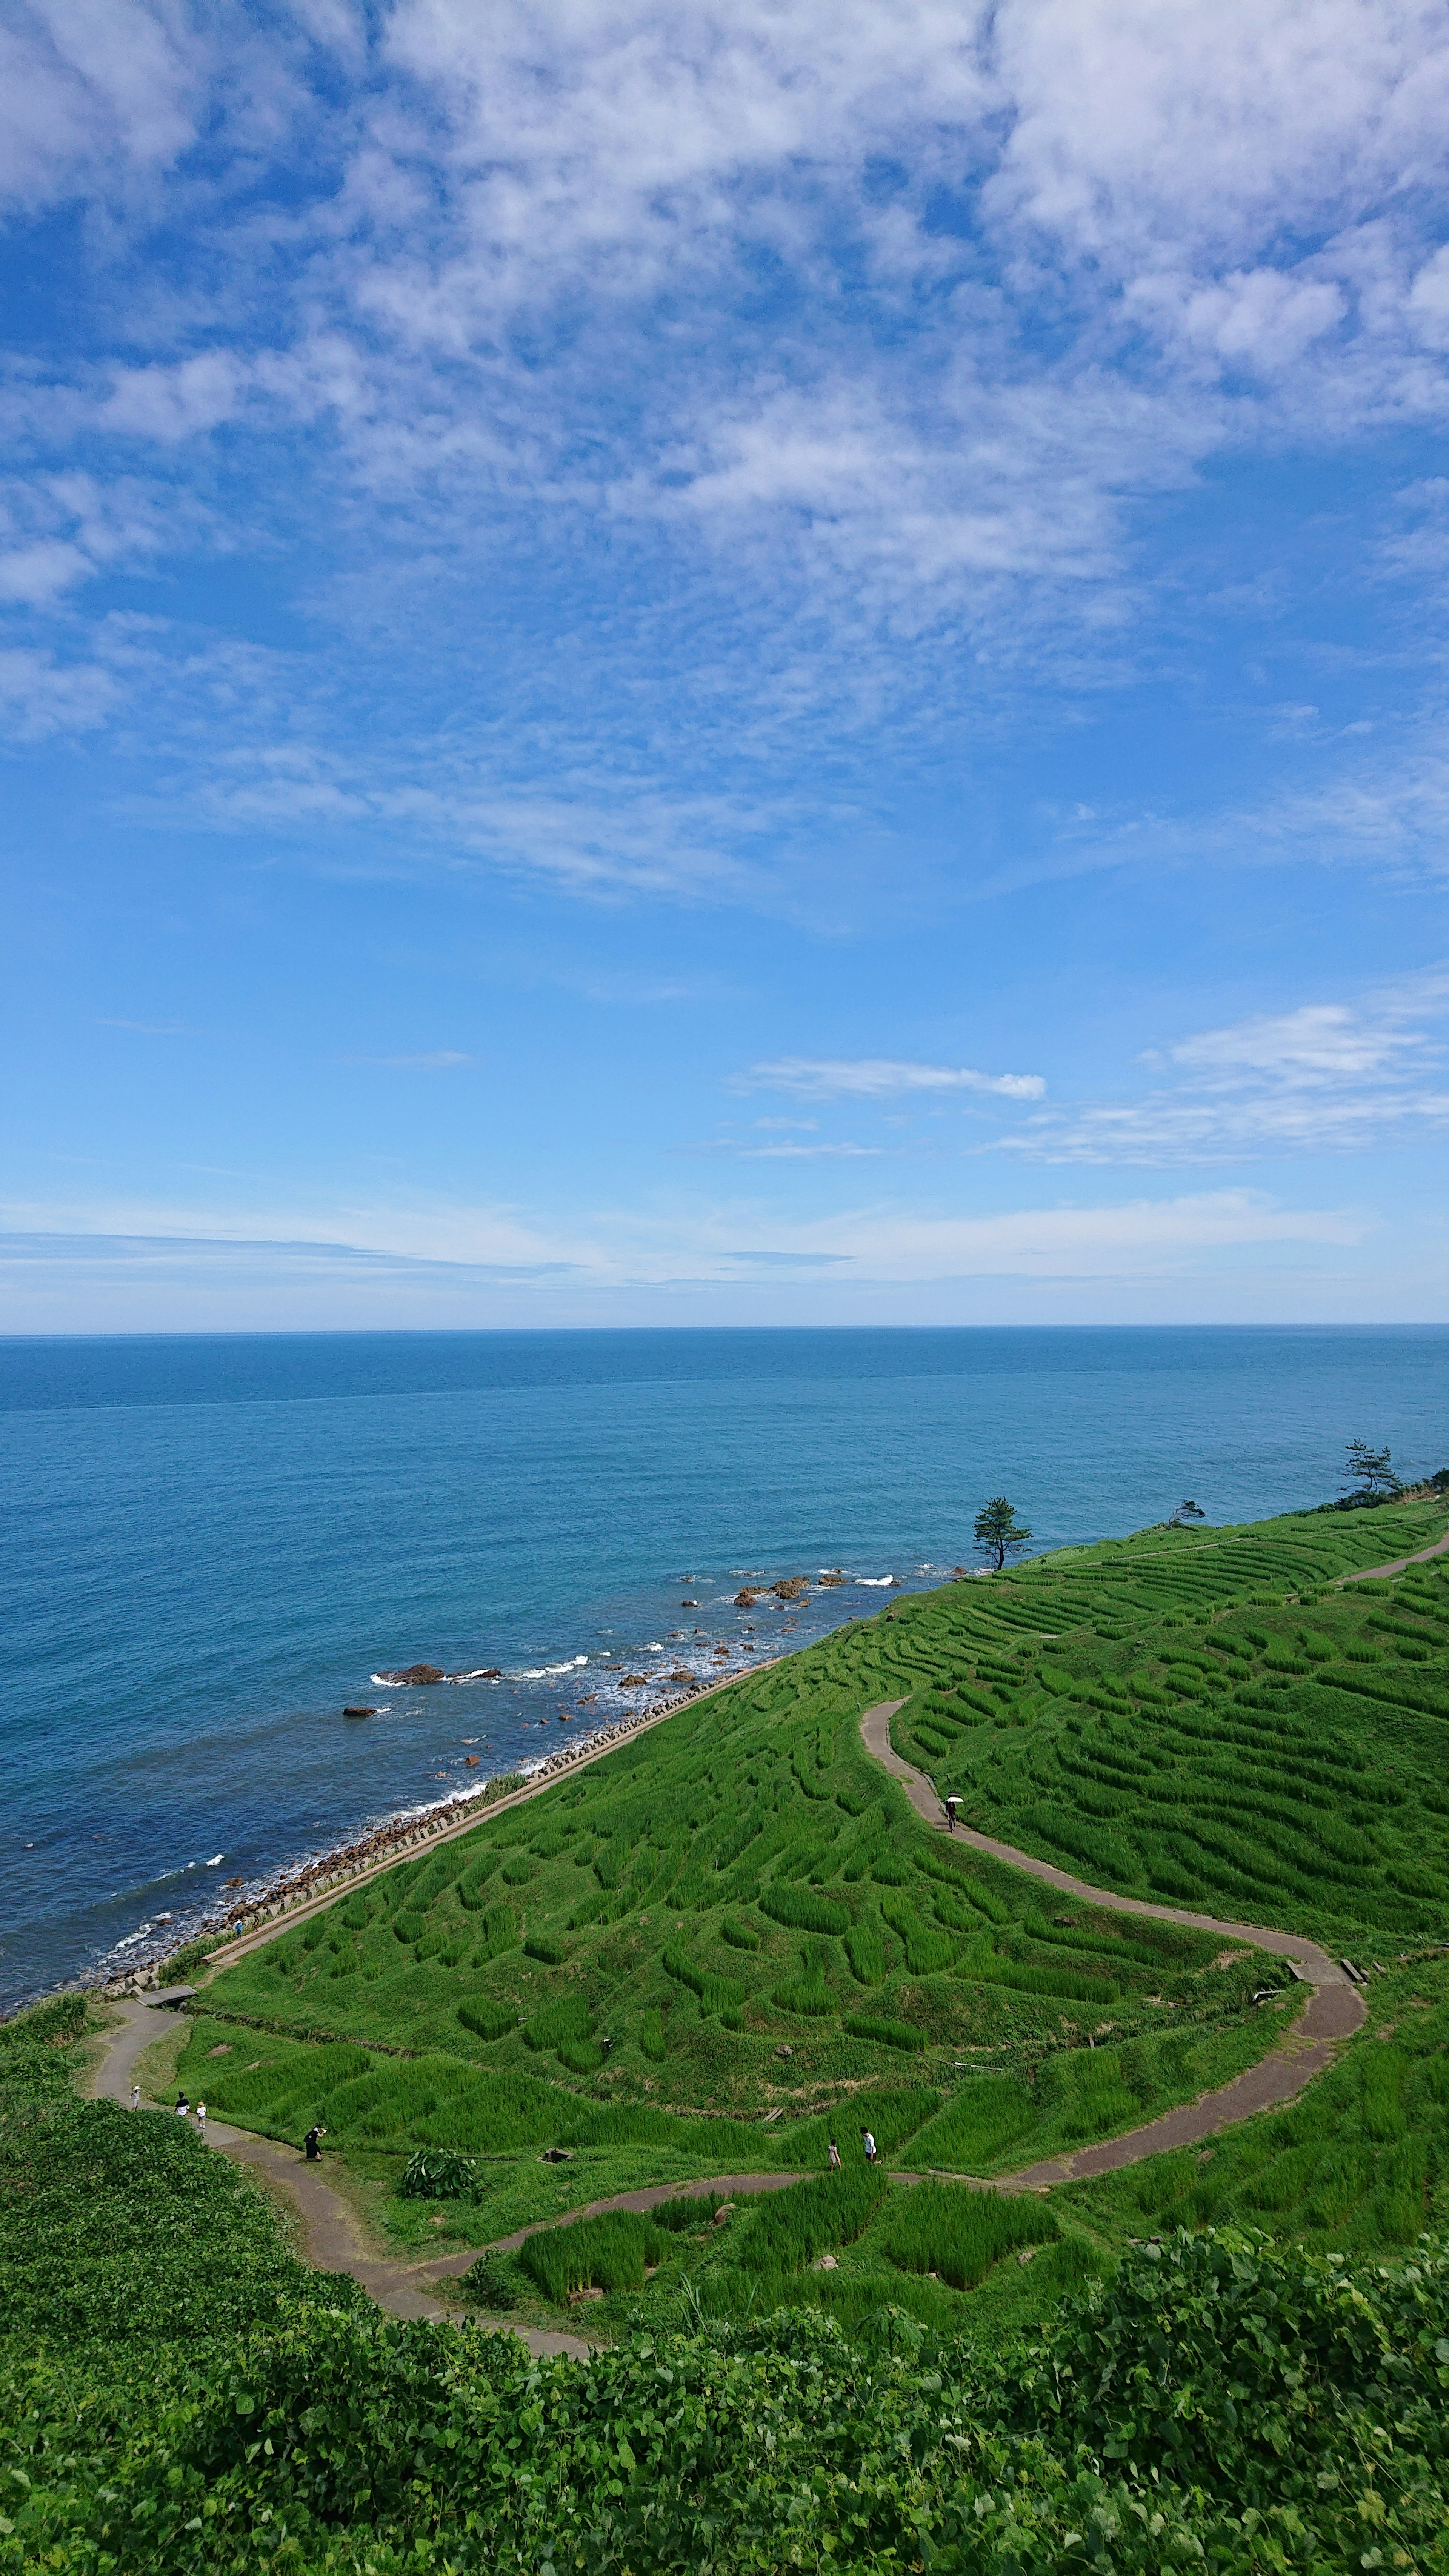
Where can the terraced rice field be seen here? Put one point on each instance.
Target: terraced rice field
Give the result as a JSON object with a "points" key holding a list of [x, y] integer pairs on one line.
{"points": [[1210, 1722], [733, 1939]]}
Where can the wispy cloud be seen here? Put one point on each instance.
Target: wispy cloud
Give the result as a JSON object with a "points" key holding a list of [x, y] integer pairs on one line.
{"points": [[436, 1060], [881, 1078], [1325, 1078], [152, 1028]]}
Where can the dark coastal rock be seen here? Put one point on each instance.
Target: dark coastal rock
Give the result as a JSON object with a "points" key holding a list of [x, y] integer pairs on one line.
{"points": [[746, 1599], [794, 1588], [494, 1673], [417, 1673], [359, 1712], [689, 1605]]}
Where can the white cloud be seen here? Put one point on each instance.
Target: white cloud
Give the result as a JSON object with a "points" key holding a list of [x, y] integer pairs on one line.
{"points": [[40, 696], [173, 402], [1327, 1078], [87, 90], [882, 1077]]}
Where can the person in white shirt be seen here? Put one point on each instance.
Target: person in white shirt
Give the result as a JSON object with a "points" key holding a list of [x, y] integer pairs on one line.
{"points": [[868, 2142]]}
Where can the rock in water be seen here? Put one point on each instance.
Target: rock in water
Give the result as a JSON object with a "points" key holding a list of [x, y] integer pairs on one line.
{"points": [[417, 1673], [353, 1712]]}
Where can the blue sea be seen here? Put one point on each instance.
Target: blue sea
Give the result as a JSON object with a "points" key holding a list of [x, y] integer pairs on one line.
{"points": [[214, 1543]]}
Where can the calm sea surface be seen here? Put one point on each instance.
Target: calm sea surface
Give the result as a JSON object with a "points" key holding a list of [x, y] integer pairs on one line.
{"points": [[211, 1543]]}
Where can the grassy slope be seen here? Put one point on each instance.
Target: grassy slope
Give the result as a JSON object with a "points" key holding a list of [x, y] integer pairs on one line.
{"points": [[745, 1879]]}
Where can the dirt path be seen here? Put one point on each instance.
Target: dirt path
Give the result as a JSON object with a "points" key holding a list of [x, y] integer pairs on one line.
{"points": [[330, 2238], [1334, 2010]]}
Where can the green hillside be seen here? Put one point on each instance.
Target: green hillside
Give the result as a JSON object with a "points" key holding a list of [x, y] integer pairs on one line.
{"points": [[733, 1937]]}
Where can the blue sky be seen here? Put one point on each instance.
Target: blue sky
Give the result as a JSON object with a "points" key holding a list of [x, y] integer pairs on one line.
{"points": [[753, 665]]}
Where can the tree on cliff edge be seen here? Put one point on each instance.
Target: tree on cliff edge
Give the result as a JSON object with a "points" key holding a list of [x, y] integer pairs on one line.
{"points": [[999, 1534]]}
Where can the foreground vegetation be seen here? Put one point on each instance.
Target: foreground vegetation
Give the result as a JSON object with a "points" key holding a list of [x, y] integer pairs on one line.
{"points": [[1219, 2402]]}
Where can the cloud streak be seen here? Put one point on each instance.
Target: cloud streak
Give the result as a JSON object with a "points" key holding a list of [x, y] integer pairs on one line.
{"points": [[881, 1078]]}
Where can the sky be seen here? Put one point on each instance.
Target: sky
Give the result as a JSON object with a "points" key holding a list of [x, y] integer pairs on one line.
{"points": [[781, 664]]}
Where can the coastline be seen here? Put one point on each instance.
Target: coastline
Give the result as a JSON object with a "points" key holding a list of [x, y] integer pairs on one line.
{"points": [[299, 1890]]}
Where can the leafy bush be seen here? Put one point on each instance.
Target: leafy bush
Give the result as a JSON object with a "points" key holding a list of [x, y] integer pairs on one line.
{"points": [[437, 2173], [740, 1936], [538, 1946], [494, 2283]]}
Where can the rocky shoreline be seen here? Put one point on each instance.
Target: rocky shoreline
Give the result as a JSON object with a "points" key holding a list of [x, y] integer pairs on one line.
{"points": [[391, 1841]]}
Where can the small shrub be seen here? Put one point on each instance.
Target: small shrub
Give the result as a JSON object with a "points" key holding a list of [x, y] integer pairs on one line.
{"points": [[494, 2283], [437, 2173], [740, 1936], [538, 1946]]}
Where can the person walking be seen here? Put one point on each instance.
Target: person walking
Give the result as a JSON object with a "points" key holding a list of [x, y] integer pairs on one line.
{"points": [[182, 2106], [312, 2144], [201, 2117], [135, 2097], [834, 2157], [868, 2142]]}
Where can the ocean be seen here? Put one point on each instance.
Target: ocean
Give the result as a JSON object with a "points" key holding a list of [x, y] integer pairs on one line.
{"points": [[214, 1543]]}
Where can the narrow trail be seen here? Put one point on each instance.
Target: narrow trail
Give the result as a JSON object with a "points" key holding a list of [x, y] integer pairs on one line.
{"points": [[1397, 1565], [1334, 2011], [330, 2238]]}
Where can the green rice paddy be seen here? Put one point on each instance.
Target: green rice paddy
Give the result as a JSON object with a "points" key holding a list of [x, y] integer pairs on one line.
{"points": [[733, 1939]]}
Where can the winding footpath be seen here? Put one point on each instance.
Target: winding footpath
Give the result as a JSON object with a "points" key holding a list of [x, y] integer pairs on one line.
{"points": [[1334, 2011], [331, 2241]]}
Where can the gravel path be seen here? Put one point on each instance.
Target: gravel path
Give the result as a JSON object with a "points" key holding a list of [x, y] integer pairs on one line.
{"points": [[1334, 2009]]}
